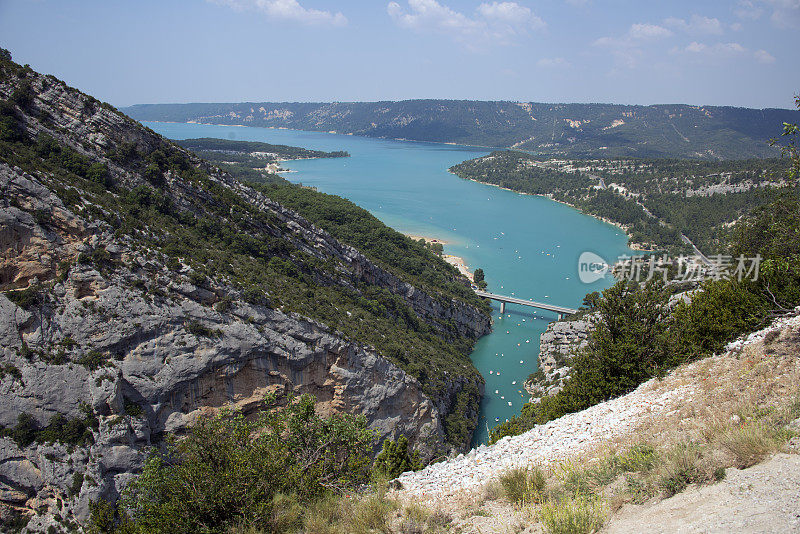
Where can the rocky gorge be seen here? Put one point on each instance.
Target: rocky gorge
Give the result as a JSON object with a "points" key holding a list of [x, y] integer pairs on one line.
{"points": [[111, 340]]}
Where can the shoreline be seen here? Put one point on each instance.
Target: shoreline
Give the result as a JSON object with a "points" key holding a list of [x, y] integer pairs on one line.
{"points": [[459, 264], [427, 239], [403, 139], [631, 244], [456, 261]]}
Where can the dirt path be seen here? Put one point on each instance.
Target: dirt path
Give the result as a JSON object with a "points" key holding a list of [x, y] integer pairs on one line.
{"points": [[763, 498]]}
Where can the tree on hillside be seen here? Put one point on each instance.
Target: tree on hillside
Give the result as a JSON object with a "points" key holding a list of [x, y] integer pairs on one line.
{"points": [[395, 459], [591, 300], [791, 148]]}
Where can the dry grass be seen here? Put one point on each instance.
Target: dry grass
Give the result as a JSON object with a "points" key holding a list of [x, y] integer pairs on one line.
{"points": [[420, 520], [374, 512], [359, 515], [577, 514], [679, 467], [752, 442]]}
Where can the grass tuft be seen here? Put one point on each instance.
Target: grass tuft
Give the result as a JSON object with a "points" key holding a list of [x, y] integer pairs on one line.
{"points": [[680, 468], [752, 442], [523, 485], [579, 514]]}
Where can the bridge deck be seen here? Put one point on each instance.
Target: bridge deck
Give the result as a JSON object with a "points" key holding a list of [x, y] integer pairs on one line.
{"points": [[523, 302]]}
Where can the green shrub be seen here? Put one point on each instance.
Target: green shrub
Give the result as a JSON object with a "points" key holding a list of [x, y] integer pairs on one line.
{"points": [[11, 128], [198, 329], [24, 433], [99, 173], [229, 471], [14, 521], [94, 359], [718, 313], [133, 409], [11, 370], [103, 517], [77, 484], [224, 305], [25, 298], [395, 459], [74, 431], [23, 95]]}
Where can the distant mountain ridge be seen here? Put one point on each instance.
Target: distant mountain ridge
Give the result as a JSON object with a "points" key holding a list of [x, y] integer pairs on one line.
{"points": [[574, 130]]}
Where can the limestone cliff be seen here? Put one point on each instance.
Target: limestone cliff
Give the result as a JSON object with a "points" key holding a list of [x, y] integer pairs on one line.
{"points": [[111, 340], [558, 344]]}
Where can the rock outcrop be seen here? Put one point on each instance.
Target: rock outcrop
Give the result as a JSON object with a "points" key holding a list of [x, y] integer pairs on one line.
{"points": [[558, 344]]}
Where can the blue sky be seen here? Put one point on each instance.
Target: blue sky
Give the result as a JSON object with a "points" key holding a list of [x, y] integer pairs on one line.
{"points": [[740, 53]]}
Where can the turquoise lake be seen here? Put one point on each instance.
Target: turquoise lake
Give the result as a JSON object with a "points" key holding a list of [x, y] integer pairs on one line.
{"points": [[528, 246]]}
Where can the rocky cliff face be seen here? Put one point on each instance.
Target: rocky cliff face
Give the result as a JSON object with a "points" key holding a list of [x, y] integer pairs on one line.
{"points": [[108, 344], [558, 344]]}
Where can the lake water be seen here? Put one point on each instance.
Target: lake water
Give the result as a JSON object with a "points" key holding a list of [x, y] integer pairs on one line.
{"points": [[528, 246]]}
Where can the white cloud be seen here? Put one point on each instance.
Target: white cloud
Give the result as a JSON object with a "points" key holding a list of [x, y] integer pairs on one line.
{"points": [[497, 21], [727, 49], [648, 31], [785, 13], [748, 10], [289, 10], [697, 25], [552, 62], [721, 52], [627, 50], [762, 56], [510, 13], [426, 14]]}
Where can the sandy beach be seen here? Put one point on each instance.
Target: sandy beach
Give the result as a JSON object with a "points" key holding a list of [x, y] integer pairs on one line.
{"points": [[459, 264], [455, 261], [426, 239]]}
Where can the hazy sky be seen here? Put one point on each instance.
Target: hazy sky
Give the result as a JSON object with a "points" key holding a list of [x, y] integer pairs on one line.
{"points": [[741, 53]]}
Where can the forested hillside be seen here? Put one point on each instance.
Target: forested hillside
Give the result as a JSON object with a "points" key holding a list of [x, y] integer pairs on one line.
{"points": [[574, 130], [655, 200], [641, 329], [251, 161]]}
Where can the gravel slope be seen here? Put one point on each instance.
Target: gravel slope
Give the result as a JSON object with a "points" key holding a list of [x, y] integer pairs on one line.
{"points": [[577, 434], [545, 444]]}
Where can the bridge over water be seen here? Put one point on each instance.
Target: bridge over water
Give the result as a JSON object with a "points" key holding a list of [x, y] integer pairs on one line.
{"points": [[504, 299]]}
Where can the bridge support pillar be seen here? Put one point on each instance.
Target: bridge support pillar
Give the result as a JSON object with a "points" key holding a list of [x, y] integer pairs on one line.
{"points": [[560, 316], [502, 307]]}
